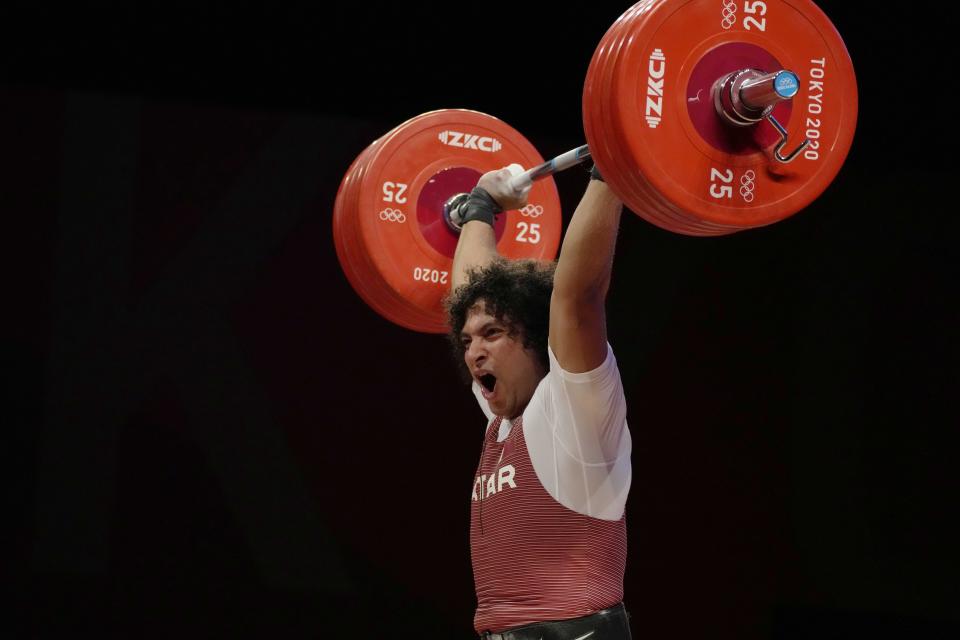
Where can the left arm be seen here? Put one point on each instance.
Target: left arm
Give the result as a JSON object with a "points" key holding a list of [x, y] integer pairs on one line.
{"points": [[578, 332], [582, 455]]}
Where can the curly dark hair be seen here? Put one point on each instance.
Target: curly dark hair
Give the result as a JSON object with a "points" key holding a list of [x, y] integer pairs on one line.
{"points": [[515, 292]]}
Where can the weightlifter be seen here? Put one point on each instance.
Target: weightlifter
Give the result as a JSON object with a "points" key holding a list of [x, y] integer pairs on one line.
{"points": [[547, 533]]}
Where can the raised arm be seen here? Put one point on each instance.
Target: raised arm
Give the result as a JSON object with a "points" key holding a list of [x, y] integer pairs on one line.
{"points": [[578, 331], [477, 245]]}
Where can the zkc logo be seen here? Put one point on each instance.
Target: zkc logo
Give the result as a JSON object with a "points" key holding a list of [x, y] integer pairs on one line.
{"points": [[470, 141], [657, 69]]}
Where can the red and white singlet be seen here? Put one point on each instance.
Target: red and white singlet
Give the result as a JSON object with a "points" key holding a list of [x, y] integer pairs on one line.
{"points": [[535, 559]]}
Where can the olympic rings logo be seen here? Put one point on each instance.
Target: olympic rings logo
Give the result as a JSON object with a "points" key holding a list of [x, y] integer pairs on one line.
{"points": [[729, 14], [392, 215], [747, 185], [532, 211]]}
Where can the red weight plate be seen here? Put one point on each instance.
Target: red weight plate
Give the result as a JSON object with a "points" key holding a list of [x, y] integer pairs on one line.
{"points": [[606, 147], [603, 146], [391, 211], [388, 302], [716, 178], [603, 129], [355, 263], [354, 258]]}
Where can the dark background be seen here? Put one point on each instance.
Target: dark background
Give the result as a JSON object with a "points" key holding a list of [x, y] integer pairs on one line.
{"points": [[208, 434]]}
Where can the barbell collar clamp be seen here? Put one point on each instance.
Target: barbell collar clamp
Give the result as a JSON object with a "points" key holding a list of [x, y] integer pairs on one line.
{"points": [[783, 142], [451, 212], [747, 96]]}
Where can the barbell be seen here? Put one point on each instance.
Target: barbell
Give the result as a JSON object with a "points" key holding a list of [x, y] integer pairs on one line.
{"points": [[706, 117]]}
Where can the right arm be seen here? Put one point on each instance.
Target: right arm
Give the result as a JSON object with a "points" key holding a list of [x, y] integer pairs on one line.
{"points": [[477, 245]]}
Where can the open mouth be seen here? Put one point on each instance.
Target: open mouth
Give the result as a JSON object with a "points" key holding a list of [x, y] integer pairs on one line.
{"points": [[488, 381]]}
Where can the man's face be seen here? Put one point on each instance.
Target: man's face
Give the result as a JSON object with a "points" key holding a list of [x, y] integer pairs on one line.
{"points": [[507, 373]]}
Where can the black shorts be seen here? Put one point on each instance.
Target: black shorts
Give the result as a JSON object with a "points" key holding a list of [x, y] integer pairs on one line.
{"points": [[609, 624]]}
